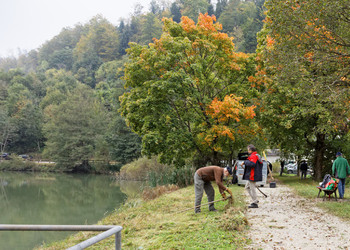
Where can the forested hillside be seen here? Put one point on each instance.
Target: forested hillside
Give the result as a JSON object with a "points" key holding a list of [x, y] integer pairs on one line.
{"points": [[186, 86], [62, 99]]}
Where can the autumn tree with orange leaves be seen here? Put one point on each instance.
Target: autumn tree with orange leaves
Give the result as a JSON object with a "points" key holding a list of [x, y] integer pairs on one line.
{"points": [[189, 96], [304, 52]]}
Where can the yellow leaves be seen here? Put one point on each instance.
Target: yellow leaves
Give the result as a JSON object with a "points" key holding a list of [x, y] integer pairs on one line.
{"points": [[230, 109], [230, 118], [269, 42], [206, 22], [187, 24], [309, 56]]}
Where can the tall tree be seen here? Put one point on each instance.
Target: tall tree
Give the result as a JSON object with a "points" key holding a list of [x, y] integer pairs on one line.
{"points": [[192, 8], [175, 80], [175, 12], [73, 129], [123, 145], [100, 44], [305, 50], [241, 20]]}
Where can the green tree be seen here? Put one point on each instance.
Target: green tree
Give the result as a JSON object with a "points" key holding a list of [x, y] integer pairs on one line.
{"points": [[100, 44], [123, 145], [175, 12], [220, 6], [25, 116], [192, 8], [73, 129], [303, 50], [151, 27], [175, 80], [241, 20]]}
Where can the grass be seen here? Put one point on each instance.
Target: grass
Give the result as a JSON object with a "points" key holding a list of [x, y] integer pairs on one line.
{"points": [[307, 188], [157, 224]]}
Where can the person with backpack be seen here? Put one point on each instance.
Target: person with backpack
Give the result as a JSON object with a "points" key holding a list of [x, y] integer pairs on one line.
{"points": [[340, 169], [252, 173]]}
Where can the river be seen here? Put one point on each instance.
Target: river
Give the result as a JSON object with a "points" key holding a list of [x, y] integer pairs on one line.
{"points": [[56, 199]]}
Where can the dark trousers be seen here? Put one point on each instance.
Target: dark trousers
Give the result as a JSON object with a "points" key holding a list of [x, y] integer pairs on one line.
{"points": [[303, 174]]}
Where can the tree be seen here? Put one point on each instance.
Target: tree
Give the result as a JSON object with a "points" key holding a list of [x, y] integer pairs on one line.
{"points": [[175, 12], [174, 81], [7, 129], [21, 112], [192, 8], [304, 49], [151, 27], [220, 6], [210, 10], [100, 44], [73, 129], [123, 145], [241, 20]]}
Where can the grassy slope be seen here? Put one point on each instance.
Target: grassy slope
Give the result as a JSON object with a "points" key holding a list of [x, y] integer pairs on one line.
{"points": [[156, 225], [307, 188]]}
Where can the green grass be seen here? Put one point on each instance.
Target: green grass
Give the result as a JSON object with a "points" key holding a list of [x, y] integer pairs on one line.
{"points": [[157, 224], [307, 188]]}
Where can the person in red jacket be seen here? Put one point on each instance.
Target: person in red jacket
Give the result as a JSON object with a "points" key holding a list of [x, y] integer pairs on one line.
{"points": [[252, 173]]}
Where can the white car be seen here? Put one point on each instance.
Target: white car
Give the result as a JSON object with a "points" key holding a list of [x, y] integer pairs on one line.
{"points": [[240, 171]]}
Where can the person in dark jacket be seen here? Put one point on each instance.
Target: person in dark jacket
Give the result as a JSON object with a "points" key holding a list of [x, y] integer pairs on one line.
{"points": [[202, 181], [252, 173], [303, 169]]}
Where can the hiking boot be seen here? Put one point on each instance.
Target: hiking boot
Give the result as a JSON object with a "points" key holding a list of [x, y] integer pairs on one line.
{"points": [[213, 210], [253, 205]]}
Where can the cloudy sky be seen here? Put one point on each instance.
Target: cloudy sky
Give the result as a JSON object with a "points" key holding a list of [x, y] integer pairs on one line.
{"points": [[26, 24]]}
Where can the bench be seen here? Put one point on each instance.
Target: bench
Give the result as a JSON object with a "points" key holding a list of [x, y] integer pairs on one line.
{"points": [[328, 192]]}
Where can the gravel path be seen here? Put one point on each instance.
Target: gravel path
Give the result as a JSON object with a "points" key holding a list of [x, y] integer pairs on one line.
{"points": [[286, 221]]}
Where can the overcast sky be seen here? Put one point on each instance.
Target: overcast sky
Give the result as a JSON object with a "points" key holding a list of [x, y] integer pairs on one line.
{"points": [[27, 24]]}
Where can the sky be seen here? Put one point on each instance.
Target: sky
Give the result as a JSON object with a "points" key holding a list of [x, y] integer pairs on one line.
{"points": [[27, 24]]}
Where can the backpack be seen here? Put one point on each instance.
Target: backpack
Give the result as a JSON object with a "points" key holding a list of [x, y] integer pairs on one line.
{"points": [[326, 179], [332, 184]]}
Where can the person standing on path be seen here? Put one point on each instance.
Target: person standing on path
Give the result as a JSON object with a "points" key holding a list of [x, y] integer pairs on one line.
{"points": [[202, 181], [340, 169], [303, 169], [252, 173]]}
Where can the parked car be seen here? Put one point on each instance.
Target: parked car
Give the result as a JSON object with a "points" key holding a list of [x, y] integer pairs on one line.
{"points": [[25, 157], [292, 168], [5, 156]]}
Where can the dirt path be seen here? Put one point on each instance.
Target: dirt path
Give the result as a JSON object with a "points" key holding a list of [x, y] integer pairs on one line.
{"points": [[286, 221]]}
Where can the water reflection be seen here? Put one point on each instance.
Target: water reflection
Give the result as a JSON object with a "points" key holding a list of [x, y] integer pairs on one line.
{"points": [[27, 198]]}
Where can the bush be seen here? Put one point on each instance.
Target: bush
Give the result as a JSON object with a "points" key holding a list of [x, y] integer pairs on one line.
{"points": [[157, 174], [181, 177], [138, 170]]}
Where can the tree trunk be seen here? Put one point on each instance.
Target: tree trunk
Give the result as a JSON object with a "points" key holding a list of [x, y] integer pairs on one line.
{"points": [[319, 155]]}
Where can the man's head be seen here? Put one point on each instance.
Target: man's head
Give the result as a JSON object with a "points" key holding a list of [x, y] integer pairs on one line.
{"points": [[338, 154], [227, 171], [251, 148]]}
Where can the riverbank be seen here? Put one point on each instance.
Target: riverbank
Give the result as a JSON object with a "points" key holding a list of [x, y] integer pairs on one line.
{"points": [[156, 224], [19, 165]]}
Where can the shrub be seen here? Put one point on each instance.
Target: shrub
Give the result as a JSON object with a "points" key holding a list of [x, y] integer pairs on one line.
{"points": [[138, 170]]}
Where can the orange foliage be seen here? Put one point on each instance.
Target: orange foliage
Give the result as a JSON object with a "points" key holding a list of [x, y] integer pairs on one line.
{"points": [[187, 24], [230, 109]]}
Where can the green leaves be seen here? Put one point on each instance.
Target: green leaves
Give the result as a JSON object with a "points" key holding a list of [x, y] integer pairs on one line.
{"points": [[173, 81], [303, 42]]}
